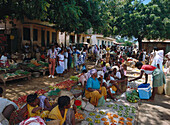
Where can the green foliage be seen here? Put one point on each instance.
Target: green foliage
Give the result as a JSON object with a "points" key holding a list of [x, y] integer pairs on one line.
{"points": [[133, 18], [127, 43], [31, 9]]}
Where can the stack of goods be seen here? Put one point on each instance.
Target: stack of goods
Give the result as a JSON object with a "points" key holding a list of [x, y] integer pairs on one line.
{"points": [[112, 114]]}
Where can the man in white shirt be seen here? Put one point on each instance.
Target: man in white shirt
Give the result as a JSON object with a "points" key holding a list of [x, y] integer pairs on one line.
{"points": [[6, 109]]}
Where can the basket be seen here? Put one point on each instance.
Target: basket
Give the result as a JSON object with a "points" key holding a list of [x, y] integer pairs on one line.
{"points": [[36, 74], [79, 120], [53, 122]]}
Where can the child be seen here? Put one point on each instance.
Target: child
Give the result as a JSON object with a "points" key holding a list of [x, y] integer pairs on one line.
{"points": [[83, 78], [63, 112], [110, 85], [79, 62]]}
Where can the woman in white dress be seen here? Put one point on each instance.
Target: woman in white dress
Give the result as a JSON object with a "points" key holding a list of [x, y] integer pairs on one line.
{"points": [[60, 67]]}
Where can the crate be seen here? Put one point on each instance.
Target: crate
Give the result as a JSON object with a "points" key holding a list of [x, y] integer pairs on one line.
{"points": [[144, 91]]}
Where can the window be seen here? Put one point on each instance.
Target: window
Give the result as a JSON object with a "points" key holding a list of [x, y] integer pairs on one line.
{"points": [[35, 35], [48, 38], [88, 40], [53, 37], [26, 33], [42, 38], [83, 39]]}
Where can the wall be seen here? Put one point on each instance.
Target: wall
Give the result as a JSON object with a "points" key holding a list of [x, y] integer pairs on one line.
{"points": [[148, 46]]}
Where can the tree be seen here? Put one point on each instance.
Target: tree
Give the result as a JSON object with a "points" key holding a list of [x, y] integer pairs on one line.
{"points": [[31, 9], [133, 18]]}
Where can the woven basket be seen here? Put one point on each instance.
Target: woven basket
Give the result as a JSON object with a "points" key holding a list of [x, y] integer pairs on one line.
{"points": [[53, 122]]}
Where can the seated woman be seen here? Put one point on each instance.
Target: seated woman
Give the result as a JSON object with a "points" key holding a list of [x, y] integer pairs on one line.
{"points": [[110, 85], [63, 112], [94, 90], [6, 109], [34, 106], [157, 75]]}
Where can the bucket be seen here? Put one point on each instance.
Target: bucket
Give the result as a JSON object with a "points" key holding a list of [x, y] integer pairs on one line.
{"points": [[78, 104]]}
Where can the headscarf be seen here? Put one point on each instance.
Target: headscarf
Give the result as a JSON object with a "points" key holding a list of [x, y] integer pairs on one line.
{"points": [[93, 71]]}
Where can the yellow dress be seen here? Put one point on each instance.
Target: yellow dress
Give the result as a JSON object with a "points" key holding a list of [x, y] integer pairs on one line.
{"points": [[55, 114], [30, 108], [95, 95]]}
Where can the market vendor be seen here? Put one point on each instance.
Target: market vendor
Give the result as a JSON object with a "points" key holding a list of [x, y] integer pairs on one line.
{"points": [[34, 106], [63, 112], [94, 90], [157, 75], [111, 86], [6, 109]]}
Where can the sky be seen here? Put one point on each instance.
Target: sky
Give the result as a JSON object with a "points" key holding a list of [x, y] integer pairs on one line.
{"points": [[146, 1]]}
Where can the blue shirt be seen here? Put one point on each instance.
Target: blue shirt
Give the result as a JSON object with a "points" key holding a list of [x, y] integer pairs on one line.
{"points": [[94, 84]]}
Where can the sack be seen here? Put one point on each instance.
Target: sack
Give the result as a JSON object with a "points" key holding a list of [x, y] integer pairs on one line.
{"points": [[101, 101]]}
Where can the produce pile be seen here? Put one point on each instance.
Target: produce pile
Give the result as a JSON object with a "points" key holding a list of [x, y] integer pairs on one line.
{"points": [[112, 114], [15, 74], [20, 101], [38, 66], [65, 84], [132, 97], [8, 68], [74, 78]]}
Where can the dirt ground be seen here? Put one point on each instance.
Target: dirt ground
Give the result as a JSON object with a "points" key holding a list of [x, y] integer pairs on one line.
{"points": [[22, 87], [150, 113]]}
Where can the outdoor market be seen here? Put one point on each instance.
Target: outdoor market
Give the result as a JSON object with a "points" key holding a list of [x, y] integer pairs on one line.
{"points": [[84, 62]]}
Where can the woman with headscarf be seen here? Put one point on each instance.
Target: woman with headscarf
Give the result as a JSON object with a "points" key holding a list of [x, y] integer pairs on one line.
{"points": [[94, 90], [158, 59]]}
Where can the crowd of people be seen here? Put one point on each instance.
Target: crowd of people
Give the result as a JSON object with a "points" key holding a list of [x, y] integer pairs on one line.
{"points": [[108, 82]]}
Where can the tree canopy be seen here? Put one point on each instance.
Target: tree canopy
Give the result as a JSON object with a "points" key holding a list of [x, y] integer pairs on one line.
{"points": [[133, 18], [127, 18]]}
